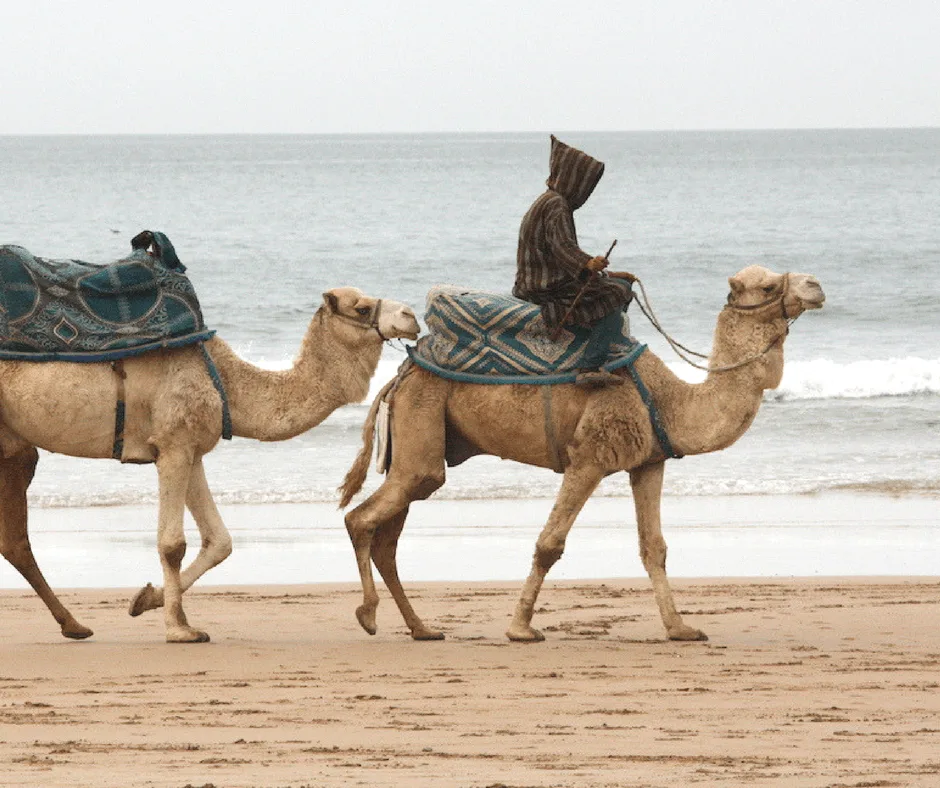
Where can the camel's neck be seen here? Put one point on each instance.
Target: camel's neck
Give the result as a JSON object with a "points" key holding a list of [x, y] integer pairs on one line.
{"points": [[712, 415], [328, 373]]}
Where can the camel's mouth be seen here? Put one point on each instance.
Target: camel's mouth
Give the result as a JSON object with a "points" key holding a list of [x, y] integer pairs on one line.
{"points": [[810, 293], [814, 300]]}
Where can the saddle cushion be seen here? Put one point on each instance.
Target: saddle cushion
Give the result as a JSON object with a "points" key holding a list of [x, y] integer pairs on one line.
{"points": [[480, 337], [67, 310]]}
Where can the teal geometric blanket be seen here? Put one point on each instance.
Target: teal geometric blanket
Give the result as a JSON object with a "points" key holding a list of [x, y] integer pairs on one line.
{"points": [[479, 337], [68, 310]]}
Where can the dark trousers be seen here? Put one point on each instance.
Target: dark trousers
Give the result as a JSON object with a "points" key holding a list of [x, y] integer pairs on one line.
{"points": [[604, 333]]}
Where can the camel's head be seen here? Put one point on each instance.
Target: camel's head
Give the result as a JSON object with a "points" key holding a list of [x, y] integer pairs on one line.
{"points": [[756, 287], [377, 316]]}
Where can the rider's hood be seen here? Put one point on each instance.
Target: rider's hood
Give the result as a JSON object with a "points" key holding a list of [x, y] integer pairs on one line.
{"points": [[573, 174]]}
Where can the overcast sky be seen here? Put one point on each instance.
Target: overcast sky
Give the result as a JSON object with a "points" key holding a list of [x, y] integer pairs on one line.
{"points": [[504, 65]]}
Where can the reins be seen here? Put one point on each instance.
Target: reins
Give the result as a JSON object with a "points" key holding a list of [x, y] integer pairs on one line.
{"points": [[681, 350]]}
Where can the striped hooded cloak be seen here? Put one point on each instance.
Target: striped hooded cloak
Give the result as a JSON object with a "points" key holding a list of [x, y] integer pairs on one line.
{"points": [[549, 263]]}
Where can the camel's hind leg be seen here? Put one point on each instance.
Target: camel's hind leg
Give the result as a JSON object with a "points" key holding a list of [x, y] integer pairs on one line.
{"points": [[384, 552], [647, 483], [216, 542], [578, 484], [417, 470], [16, 473]]}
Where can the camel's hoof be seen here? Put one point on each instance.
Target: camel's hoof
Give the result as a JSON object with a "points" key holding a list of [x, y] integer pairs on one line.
{"points": [[687, 633], [148, 598], [76, 631], [366, 618], [524, 635], [426, 634], [187, 635]]}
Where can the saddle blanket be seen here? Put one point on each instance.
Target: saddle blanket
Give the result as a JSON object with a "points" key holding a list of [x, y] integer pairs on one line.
{"points": [[480, 337], [68, 310]]}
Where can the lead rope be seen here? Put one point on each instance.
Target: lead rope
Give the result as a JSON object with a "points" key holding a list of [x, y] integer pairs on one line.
{"points": [[680, 349]]}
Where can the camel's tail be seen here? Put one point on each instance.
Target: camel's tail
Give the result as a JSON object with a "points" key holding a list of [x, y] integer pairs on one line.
{"points": [[356, 475]]}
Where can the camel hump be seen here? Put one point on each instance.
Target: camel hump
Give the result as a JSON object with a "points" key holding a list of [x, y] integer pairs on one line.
{"points": [[477, 336]]}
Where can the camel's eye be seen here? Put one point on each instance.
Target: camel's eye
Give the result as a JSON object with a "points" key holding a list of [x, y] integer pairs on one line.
{"points": [[363, 310], [769, 288]]}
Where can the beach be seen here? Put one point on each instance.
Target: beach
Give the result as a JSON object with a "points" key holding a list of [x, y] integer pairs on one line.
{"points": [[821, 680], [804, 682]]}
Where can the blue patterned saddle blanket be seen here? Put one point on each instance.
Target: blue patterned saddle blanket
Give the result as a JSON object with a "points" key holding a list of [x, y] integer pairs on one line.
{"points": [[480, 337], [68, 310]]}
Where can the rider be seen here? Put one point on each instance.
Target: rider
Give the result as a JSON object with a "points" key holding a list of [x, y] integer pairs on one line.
{"points": [[553, 272]]}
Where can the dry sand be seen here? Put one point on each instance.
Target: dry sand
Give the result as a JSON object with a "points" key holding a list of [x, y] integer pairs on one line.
{"points": [[803, 683]]}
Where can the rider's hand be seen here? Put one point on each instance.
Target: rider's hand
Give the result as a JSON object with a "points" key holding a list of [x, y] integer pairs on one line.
{"points": [[596, 264]]}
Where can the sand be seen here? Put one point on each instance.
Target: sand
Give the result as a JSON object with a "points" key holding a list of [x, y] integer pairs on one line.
{"points": [[804, 683]]}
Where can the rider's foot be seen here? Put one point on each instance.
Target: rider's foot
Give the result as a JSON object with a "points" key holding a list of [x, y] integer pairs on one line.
{"points": [[597, 379]]}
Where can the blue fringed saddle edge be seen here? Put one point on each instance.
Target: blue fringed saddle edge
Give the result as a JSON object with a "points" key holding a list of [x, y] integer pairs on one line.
{"points": [[89, 357], [531, 380]]}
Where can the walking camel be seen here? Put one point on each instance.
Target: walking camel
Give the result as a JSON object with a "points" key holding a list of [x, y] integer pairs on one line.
{"points": [[174, 417], [600, 432]]}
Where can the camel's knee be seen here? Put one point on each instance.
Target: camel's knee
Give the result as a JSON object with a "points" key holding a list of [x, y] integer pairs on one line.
{"points": [[172, 552], [217, 547], [17, 551], [548, 549], [653, 554]]}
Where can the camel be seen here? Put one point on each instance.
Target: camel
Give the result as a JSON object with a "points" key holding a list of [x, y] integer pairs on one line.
{"points": [[600, 432], [174, 417]]}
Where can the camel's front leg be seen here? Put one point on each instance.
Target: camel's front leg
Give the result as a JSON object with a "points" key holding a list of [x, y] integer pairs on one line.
{"points": [[578, 484], [15, 475], [647, 483], [174, 467], [216, 542]]}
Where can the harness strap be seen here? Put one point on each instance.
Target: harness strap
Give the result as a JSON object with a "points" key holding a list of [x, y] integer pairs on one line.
{"points": [[658, 429], [217, 382], [371, 325], [117, 448], [558, 464]]}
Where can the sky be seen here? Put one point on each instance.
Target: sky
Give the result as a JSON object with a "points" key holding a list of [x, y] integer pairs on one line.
{"points": [[374, 66]]}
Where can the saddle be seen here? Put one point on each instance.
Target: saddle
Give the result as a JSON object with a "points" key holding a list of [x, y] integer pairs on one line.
{"points": [[69, 310], [480, 337]]}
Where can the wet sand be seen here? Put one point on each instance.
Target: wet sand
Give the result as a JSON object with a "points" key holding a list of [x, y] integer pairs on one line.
{"points": [[803, 683]]}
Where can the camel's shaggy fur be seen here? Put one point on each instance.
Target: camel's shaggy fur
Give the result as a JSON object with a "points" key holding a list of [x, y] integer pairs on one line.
{"points": [[174, 416], [601, 431]]}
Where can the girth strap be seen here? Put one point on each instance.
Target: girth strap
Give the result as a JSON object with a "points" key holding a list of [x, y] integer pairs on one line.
{"points": [[217, 382], [558, 464], [117, 448], [655, 421]]}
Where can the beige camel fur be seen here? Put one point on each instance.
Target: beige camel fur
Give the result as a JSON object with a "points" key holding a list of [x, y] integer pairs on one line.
{"points": [[174, 416], [602, 431]]}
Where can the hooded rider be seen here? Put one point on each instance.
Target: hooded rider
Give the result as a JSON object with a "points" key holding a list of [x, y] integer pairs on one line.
{"points": [[551, 269]]}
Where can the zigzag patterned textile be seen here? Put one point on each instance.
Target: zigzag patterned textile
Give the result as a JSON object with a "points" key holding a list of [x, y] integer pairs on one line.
{"points": [[67, 310], [480, 337]]}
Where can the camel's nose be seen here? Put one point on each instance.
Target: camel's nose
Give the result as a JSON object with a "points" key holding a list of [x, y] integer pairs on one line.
{"points": [[815, 296]]}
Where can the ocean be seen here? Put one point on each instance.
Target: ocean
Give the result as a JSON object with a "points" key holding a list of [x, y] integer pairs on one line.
{"points": [[265, 224]]}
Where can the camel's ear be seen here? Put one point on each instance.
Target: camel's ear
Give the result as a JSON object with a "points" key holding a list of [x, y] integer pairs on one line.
{"points": [[331, 301], [736, 284]]}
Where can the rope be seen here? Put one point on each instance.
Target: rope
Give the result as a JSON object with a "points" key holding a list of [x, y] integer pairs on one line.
{"points": [[680, 349]]}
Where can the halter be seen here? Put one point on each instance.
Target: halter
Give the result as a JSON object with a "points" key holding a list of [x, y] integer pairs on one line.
{"points": [[367, 323], [781, 296], [683, 352]]}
